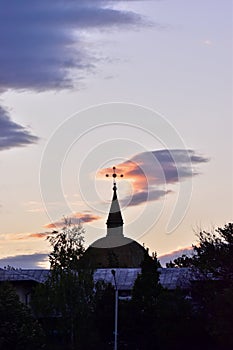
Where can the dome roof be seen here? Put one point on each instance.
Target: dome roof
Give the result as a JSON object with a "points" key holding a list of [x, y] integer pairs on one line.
{"points": [[102, 254], [114, 250]]}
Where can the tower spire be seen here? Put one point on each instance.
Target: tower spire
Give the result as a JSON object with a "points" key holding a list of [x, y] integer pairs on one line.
{"points": [[114, 221]]}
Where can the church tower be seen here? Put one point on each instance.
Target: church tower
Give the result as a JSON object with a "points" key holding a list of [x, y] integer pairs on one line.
{"points": [[115, 221], [114, 250]]}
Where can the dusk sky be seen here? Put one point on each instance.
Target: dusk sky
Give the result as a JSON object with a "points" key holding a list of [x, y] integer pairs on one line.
{"points": [[145, 86]]}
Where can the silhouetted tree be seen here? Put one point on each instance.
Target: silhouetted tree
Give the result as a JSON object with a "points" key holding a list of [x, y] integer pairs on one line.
{"points": [[18, 329], [212, 255], [139, 329], [212, 288], [147, 287], [68, 247], [67, 295], [103, 316], [182, 261], [179, 326]]}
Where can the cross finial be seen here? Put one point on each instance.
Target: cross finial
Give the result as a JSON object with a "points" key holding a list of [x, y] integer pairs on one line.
{"points": [[114, 175]]}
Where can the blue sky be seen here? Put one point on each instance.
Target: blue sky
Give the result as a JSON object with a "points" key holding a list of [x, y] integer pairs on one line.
{"points": [[143, 85]]}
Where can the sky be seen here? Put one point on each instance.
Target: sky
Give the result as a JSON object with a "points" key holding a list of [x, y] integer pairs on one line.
{"points": [[145, 86]]}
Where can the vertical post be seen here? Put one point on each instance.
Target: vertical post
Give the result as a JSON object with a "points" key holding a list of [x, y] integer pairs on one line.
{"points": [[116, 319], [116, 311]]}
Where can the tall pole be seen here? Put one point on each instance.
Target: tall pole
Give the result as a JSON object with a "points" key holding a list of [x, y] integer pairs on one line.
{"points": [[116, 319], [116, 311]]}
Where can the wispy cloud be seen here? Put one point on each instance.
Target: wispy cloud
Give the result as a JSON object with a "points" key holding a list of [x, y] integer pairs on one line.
{"points": [[13, 134], [151, 173], [24, 236], [38, 235], [43, 48], [42, 41], [34, 207], [76, 218]]}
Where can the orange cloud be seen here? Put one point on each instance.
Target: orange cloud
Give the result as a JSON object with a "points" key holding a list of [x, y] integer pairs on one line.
{"points": [[38, 235], [76, 218], [150, 173], [50, 225], [142, 181], [132, 171], [26, 236]]}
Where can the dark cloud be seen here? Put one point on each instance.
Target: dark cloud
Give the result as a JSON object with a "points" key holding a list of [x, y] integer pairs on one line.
{"points": [[151, 173], [43, 48], [13, 134], [169, 166], [30, 261], [41, 41], [144, 196]]}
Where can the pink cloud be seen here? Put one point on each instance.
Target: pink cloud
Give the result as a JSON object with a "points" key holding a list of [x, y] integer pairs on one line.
{"points": [[76, 218], [150, 173], [26, 236]]}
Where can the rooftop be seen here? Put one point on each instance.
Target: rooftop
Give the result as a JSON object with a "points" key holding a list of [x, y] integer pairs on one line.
{"points": [[170, 278]]}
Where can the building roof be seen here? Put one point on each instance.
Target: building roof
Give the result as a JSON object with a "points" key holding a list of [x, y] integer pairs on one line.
{"points": [[170, 278], [12, 275]]}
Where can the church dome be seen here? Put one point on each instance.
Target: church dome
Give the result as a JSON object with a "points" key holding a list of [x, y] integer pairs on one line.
{"points": [[114, 250], [129, 254]]}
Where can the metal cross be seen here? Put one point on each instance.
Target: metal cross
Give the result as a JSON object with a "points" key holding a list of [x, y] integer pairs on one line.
{"points": [[114, 174]]}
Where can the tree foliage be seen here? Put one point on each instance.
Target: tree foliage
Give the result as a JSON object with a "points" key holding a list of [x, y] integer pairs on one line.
{"points": [[156, 318], [214, 252], [212, 255], [68, 246], [82, 313], [147, 287], [140, 325], [181, 261], [18, 329], [67, 295], [212, 288]]}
